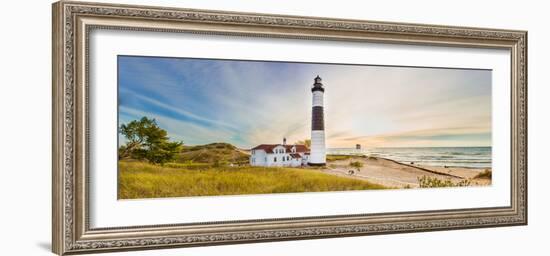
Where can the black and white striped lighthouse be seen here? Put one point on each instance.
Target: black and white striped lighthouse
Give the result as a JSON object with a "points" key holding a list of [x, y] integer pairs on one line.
{"points": [[318, 150]]}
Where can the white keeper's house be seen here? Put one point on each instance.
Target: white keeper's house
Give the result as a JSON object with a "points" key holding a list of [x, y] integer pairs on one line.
{"points": [[298, 155], [279, 155]]}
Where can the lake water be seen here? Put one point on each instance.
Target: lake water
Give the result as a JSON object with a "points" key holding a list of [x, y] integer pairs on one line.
{"points": [[471, 157]]}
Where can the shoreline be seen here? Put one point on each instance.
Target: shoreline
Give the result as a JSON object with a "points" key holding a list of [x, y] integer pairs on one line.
{"points": [[422, 167], [391, 173]]}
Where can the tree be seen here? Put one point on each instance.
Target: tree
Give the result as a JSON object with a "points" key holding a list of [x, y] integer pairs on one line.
{"points": [[356, 164], [304, 142], [146, 140]]}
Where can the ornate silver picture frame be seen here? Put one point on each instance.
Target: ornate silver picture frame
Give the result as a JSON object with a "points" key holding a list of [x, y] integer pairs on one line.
{"points": [[74, 21]]}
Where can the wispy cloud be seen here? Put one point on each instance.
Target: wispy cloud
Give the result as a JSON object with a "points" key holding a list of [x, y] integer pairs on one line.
{"points": [[181, 111]]}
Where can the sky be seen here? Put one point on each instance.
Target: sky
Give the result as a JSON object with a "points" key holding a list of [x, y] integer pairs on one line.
{"points": [[247, 103]]}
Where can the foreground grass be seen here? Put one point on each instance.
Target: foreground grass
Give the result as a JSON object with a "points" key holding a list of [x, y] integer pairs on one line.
{"points": [[143, 180]]}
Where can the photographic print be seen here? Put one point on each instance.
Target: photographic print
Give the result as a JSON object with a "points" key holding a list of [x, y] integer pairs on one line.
{"points": [[211, 127]]}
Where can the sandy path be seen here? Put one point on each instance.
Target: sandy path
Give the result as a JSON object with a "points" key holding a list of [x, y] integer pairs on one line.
{"points": [[392, 174]]}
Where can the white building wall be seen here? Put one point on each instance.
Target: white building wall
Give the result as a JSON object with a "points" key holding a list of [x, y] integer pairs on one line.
{"points": [[261, 158], [295, 162], [278, 153], [305, 159], [258, 158]]}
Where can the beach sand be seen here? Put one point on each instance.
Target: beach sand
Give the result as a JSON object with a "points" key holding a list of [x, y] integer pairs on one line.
{"points": [[397, 175]]}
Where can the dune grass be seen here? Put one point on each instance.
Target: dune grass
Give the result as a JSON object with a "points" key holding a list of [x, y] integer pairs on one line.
{"points": [[222, 153], [143, 180], [331, 158], [486, 174]]}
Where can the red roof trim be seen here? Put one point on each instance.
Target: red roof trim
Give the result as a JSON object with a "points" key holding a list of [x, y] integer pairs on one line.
{"points": [[268, 148]]}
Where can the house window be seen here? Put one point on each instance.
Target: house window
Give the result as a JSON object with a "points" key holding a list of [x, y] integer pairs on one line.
{"points": [[275, 159]]}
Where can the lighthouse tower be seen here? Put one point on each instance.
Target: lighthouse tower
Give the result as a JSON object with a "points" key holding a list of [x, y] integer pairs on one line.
{"points": [[318, 150]]}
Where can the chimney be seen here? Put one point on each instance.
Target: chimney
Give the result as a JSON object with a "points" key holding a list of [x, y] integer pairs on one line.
{"points": [[284, 141]]}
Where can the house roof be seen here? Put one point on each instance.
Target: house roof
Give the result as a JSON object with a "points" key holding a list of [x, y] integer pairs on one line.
{"points": [[299, 148], [268, 148], [295, 155]]}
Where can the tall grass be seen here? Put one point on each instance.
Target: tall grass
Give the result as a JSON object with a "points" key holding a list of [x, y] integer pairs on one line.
{"points": [[143, 180], [486, 174]]}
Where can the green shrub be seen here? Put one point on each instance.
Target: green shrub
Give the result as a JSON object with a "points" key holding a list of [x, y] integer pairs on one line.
{"points": [[487, 174], [357, 165], [433, 182]]}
